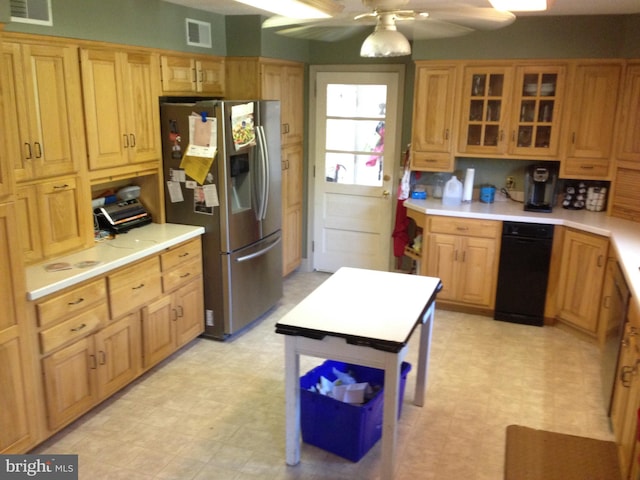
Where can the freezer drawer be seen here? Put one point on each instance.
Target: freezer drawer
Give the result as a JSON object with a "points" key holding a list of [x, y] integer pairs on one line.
{"points": [[253, 281]]}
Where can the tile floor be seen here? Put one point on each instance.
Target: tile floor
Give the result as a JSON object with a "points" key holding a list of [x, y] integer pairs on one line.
{"points": [[215, 411]]}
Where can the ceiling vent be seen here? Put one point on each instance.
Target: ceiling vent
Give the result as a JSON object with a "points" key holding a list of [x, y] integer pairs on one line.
{"points": [[37, 12], [198, 33]]}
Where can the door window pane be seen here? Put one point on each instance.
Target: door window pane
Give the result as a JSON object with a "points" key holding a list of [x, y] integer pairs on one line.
{"points": [[354, 129]]}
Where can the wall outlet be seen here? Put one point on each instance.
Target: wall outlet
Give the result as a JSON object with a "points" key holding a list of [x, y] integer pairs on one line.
{"points": [[510, 183]]}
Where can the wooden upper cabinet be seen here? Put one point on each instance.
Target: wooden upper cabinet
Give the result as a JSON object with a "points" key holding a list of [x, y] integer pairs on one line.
{"points": [[628, 144], [589, 132], [42, 109], [121, 107], [285, 82], [486, 93], [433, 114], [188, 74], [537, 111]]}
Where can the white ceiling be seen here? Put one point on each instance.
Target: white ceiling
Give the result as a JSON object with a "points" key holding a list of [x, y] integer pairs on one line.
{"points": [[559, 7]]}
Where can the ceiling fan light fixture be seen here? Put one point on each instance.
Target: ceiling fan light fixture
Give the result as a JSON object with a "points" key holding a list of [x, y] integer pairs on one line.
{"points": [[385, 41], [297, 8], [521, 5]]}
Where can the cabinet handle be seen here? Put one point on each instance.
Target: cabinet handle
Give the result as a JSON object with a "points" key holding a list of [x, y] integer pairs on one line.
{"points": [[126, 140], [464, 256], [30, 154], [446, 134], [103, 357], [501, 135], [573, 138], [287, 164], [182, 255], [38, 149], [77, 302], [180, 311], [61, 187], [138, 287], [600, 262], [625, 373], [175, 314], [201, 76], [79, 327], [93, 363], [587, 167], [133, 140], [607, 301], [185, 275], [455, 256], [462, 229], [195, 75]]}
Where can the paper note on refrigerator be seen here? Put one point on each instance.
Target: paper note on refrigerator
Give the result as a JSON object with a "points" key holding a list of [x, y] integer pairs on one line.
{"points": [[202, 149]]}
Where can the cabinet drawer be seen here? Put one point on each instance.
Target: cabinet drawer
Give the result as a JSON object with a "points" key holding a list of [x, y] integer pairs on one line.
{"points": [[430, 161], [185, 272], [135, 286], [465, 226], [581, 168], [180, 254], [73, 328], [71, 302]]}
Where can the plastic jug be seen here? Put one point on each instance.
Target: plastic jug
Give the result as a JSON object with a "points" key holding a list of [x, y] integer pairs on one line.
{"points": [[452, 192]]}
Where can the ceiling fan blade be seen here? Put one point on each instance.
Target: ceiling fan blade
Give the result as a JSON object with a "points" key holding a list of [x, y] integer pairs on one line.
{"points": [[321, 32], [478, 18], [430, 29]]}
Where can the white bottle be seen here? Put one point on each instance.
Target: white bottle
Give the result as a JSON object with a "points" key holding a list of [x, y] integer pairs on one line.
{"points": [[452, 192]]}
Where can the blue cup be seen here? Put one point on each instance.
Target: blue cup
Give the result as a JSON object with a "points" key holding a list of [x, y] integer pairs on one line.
{"points": [[487, 193]]}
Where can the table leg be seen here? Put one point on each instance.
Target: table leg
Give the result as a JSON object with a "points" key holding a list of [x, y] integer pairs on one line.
{"points": [[292, 400], [390, 414], [423, 355]]}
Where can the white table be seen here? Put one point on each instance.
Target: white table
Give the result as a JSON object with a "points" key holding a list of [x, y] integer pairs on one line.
{"points": [[364, 317]]}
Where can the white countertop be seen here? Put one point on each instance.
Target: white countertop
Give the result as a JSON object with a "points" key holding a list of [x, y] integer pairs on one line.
{"points": [[624, 234], [128, 247]]}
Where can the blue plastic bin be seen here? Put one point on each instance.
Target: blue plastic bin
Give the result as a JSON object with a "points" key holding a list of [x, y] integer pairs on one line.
{"points": [[341, 428]]}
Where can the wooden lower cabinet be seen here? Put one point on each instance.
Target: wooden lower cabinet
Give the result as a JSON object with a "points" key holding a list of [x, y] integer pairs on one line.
{"points": [[88, 371], [18, 378], [291, 208], [626, 396], [465, 262], [98, 336], [582, 269]]}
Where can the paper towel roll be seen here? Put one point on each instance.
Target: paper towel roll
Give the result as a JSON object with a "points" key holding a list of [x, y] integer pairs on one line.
{"points": [[467, 191]]}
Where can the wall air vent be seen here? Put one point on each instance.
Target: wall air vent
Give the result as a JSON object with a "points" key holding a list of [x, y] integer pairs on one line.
{"points": [[36, 12], [198, 33]]}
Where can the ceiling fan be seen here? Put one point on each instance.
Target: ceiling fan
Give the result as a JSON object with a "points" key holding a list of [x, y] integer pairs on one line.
{"points": [[393, 24]]}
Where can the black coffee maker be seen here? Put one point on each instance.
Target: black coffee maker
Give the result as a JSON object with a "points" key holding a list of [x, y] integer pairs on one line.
{"points": [[540, 188]]}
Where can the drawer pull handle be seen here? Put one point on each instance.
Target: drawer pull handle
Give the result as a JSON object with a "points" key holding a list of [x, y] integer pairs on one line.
{"points": [[462, 229], [103, 357], [138, 287], [94, 364], [61, 187], [185, 254], [625, 373], [77, 302], [185, 275], [180, 311], [79, 327], [38, 149], [30, 154]]}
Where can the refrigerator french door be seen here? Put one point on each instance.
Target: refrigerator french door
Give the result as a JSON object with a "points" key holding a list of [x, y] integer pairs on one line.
{"points": [[238, 203]]}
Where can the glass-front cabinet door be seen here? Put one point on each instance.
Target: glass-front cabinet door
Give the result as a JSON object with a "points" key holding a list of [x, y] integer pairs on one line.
{"points": [[535, 117], [486, 92]]}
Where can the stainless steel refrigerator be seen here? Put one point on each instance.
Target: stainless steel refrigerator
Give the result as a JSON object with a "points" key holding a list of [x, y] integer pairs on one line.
{"points": [[237, 199]]}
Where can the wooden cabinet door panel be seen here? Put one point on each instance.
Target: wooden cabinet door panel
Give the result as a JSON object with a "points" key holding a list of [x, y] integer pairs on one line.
{"points": [[141, 82], [178, 74], [210, 77], [189, 305], [158, 331], [60, 212], [118, 354], [433, 109], [291, 208], [442, 263], [104, 108], [628, 146], [53, 93], [478, 258], [15, 432], [70, 382], [28, 227], [581, 277]]}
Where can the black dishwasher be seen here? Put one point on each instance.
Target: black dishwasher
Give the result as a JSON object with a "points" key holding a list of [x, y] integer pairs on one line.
{"points": [[523, 272]]}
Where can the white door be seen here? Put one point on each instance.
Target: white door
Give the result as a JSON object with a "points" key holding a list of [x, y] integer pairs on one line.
{"points": [[355, 146]]}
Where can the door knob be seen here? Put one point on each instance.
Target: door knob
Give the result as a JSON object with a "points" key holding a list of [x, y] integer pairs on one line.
{"points": [[386, 178], [386, 193]]}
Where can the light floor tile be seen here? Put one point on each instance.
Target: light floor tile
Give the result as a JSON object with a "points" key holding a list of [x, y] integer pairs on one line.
{"points": [[215, 410]]}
